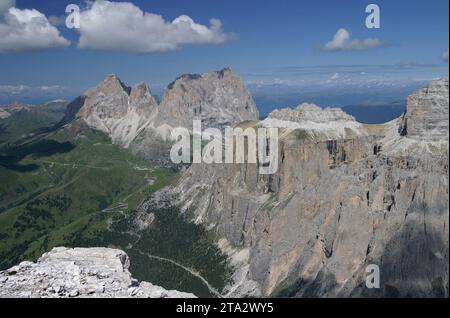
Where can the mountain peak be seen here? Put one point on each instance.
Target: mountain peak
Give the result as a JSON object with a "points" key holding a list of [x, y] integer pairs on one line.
{"points": [[115, 109], [112, 83], [111, 76], [220, 74], [224, 72], [426, 117], [142, 99], [139, 90], [184, 78], [312, 113], [219, 98]]}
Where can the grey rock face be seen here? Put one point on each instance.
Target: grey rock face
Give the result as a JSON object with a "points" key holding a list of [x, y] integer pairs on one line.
{"points": [[79, 272], [133, 118], [334, 207], [115, 109], [218, 99], [427, 111]]}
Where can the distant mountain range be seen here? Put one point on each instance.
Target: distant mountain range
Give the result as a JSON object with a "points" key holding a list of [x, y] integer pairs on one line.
{"points": [[19, 120]]}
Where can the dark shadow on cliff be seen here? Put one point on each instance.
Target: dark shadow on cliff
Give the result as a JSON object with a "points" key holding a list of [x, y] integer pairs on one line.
{"points": [[414, 265], [308, 288]]}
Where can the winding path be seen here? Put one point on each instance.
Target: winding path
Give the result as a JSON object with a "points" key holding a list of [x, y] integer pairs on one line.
{"points": [[214, 291]]}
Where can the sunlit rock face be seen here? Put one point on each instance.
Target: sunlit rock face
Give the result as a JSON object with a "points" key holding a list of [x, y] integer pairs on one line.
{"points": [[79, 272], [218, 98], [427, 113], [115, 109]]}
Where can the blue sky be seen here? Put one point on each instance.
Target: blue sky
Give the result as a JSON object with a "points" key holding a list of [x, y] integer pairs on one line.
{"points": [[272, 42]]}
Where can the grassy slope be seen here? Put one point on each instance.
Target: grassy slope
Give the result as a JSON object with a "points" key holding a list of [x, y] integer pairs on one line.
{"points": [[63, 193], [24, 122], [73, 187]]}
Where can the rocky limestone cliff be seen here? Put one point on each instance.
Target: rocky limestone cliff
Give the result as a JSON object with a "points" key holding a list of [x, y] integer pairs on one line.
{"points": [[424, 127], [115, 109], [133, 118], [218, 98], [427, 110], [337, 204], [79, 272]]}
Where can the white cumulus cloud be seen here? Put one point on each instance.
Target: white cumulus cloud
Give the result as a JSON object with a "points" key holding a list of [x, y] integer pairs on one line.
{"points": [[5, 5], [342, 41], [26, 30], [122, 26], [445, 56]]}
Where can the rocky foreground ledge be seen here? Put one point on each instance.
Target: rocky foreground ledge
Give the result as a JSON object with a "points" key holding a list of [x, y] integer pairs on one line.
{"points": [[79, 272]]}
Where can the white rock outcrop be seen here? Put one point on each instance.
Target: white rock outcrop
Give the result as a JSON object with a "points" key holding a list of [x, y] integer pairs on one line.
{"points": [[317, 122], [423, 129], [312, 113], [79, 272], [427, 112]]}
